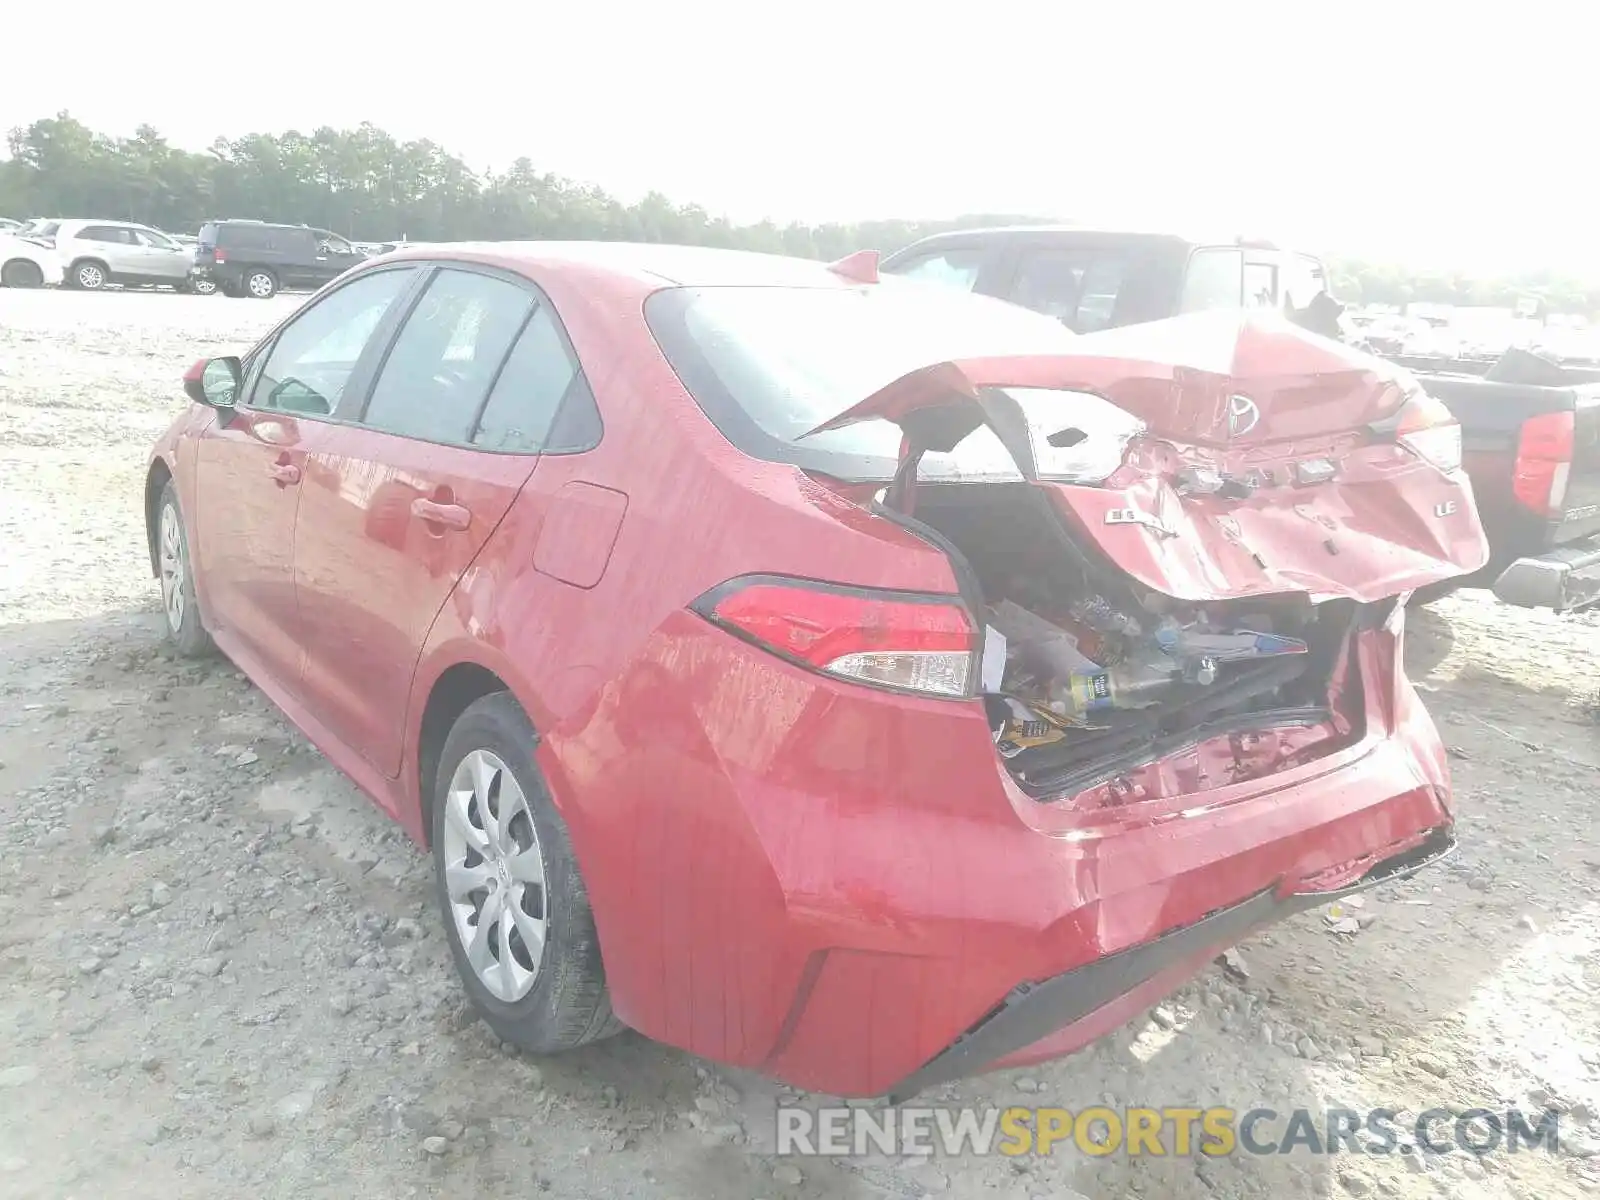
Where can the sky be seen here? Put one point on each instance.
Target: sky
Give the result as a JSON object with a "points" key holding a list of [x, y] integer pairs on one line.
{"points": [[1430, 134]]}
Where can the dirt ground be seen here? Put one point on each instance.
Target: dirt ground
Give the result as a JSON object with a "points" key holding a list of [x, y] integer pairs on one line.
{"points": [[221, 973]]}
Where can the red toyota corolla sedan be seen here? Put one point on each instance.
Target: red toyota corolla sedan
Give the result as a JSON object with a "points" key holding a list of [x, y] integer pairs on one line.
{"points": [[853, 680]]}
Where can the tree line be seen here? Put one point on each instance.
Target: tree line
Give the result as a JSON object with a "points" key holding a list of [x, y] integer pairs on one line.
{"points": [[365, 184]]}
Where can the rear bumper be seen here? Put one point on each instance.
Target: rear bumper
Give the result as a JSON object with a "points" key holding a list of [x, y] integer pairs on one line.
{"points": [[1035, 1015], [795, 877], [1565, 578]]}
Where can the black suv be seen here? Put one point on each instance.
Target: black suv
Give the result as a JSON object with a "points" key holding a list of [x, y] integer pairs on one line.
{"points": [[253, 258]]}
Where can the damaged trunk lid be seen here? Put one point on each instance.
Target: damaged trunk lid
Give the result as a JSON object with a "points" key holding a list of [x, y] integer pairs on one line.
{"points": [[1205, 515], [1257, 458]]}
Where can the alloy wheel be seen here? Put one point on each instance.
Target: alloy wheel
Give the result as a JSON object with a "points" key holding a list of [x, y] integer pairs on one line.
{"points": [[494, 876], [90, 276], [261, 286], [174, 567]]}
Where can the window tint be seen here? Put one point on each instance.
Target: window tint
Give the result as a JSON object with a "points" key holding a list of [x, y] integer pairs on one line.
{"points": [[446, 355], [1215, 280], [245, 236], [111, 234], [1077, 287], [160, 241], [957, 268], [528, 393], [313, 358]]}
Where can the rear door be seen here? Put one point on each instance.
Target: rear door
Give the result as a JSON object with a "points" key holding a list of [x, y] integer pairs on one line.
{"points": [[400, 502]]}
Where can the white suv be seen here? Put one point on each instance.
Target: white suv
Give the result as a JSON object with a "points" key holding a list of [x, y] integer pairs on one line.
{"points": [[95, 253]]}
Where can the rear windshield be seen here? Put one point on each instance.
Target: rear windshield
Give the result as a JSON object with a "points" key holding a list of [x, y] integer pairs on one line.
{"points": [[767, 364]]}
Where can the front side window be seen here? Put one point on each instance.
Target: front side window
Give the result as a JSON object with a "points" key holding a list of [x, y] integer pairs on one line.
{"points": [[158, 241], [311, 362], [446, 356], [953, 268], [1260, 285], [1215, 280]]}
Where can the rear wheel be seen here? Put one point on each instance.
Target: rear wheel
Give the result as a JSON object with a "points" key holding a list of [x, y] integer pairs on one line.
{"points": [[89, 275], [261, 284], [20, 273], [516, 912], [176, 568]]}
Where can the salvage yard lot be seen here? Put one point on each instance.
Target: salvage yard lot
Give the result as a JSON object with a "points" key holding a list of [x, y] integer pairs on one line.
{"points": [[221, 972]]}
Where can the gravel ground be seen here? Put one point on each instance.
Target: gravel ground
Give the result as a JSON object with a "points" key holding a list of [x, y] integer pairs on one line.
{"points": [[220, 972]]}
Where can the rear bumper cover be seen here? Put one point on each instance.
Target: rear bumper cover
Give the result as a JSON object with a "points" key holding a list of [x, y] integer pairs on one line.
{"points": [[1034, 1012], [1565, 578]]}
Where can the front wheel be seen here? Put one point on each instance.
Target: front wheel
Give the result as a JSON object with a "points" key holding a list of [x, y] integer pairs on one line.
{"points": [[89, 275], [176, 569], [516, 911], [263, 285]]}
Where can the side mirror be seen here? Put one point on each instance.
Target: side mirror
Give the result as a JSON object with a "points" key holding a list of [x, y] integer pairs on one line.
{"points": [[214, 382]]}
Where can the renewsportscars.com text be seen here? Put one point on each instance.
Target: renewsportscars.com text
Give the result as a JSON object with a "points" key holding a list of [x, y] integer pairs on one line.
{"points": [[1177, 1131]]}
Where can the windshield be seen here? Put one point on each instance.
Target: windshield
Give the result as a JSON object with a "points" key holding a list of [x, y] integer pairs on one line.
{"points": [[768, 364]]}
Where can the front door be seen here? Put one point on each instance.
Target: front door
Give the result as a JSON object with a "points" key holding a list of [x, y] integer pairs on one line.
{"points": [[253, 467], [401, 502]]}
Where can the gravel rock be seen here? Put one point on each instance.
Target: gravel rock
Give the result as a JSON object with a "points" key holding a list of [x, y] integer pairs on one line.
{"points": [[435, 1145], [788, 1175]]}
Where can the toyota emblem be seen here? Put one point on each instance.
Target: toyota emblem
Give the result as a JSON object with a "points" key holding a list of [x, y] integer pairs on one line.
{"points": [[1242, 415]]}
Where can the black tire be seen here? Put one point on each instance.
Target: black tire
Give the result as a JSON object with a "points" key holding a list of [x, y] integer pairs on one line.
{"points": [[260, 284], [230, 290], [89, 275], [568, 1005], [188, 633], [1434, 591], [21, 273]]}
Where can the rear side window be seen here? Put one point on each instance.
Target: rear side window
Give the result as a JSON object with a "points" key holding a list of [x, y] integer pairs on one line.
{"points": [[243, 237], [954, 267], [446, 357], [537, 376], [110, 234], [1078, 287], [311, 362]]}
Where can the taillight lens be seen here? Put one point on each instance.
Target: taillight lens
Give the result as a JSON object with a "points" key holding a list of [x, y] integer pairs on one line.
{"points": [[1427, 429], [1544, 462], [886, 639], [219, 255]]}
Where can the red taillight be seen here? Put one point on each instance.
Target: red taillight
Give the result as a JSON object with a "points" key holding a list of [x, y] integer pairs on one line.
{"points": [[1544, 461], [888, 639], [1429, 430], [219, 255]]}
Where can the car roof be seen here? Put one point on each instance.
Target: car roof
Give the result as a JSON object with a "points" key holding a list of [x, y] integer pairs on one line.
{"points": [[1089, 233], [656, 264]]}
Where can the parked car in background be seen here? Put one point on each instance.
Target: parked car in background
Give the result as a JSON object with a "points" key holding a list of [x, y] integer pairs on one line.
{"points": [[25, 264], [573, 557], [1531, 440], [256, 259], [7, 225], [97, 253], [1093, 279]]}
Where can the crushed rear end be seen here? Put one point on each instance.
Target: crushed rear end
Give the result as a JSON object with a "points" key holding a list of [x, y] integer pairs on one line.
{"points": [[1162, 704]]}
